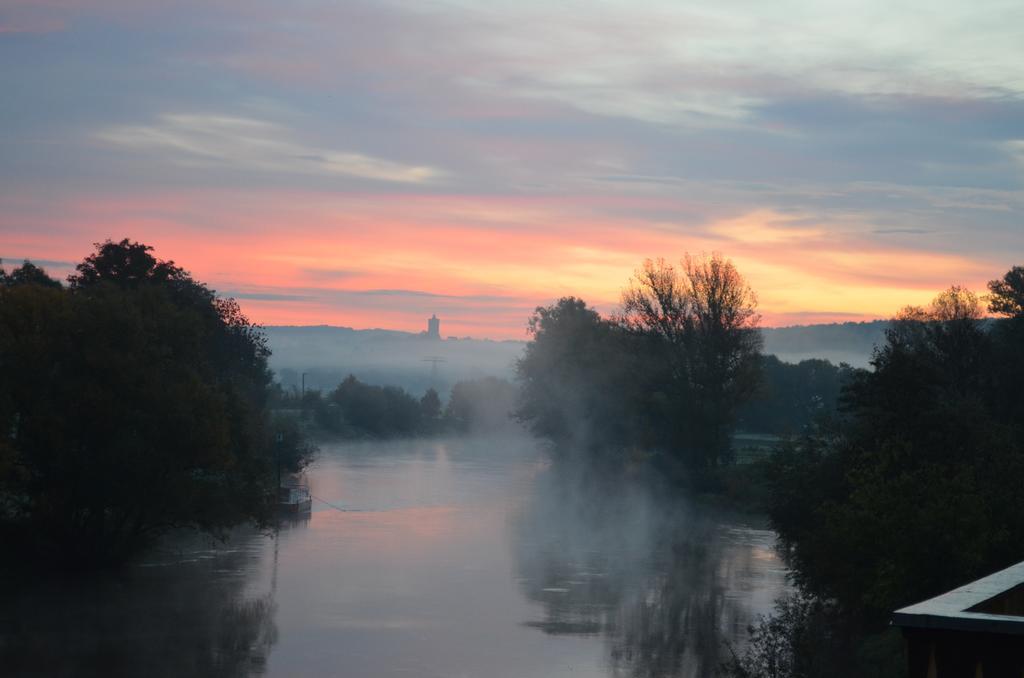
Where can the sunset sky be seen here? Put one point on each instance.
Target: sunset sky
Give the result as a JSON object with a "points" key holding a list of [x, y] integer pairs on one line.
{"points": [[367, 164]]}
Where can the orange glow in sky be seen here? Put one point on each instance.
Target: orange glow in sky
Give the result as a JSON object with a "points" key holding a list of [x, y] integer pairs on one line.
{"points": [[482, 264]]}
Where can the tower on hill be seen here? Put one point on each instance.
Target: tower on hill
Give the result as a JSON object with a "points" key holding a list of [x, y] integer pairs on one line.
{"points": [[433, 327]]}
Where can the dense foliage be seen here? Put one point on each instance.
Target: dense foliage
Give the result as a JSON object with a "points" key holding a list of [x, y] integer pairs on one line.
{"points": [[131, 401], [916, 488], [27, 274], [357, 410], [669, 374], [791, 398], [577, 376]]}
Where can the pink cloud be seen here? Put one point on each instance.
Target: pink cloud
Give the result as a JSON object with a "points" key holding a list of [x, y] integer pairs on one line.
{"points": [[485, 260]]}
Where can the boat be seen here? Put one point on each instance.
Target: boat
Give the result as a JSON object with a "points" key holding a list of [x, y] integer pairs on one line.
{"points": [[294, 500]]}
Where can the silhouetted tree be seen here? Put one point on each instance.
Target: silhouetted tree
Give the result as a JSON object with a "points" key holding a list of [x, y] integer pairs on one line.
{"points": [[704, 316], [355, 409], [915, 489], [134, 402], [27, 274], [128, 264], [1007, 299], [578, 377], [921, 444], [1007, 296], [670, 373], [430, 410]]}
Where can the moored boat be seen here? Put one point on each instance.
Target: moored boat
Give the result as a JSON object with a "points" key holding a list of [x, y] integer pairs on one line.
{"points": [[294, 500]]}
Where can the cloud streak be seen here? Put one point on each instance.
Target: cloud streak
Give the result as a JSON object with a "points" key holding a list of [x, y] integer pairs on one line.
{"points": [[204, 140]]}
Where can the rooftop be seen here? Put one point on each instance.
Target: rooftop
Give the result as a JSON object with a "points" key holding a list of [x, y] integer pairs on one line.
{"points": [[992, 604]]}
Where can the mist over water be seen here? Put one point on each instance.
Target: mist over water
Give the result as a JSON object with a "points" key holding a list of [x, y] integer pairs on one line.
{"points": [[667, 583], [328, 354], [471, 557]]}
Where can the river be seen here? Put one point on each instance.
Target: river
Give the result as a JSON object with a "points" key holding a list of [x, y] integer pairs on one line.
{"points": [[475, 557]]}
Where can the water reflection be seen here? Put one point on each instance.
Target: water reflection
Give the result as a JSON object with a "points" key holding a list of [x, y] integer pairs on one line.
{"points": [[193, 608], [667, 583]]}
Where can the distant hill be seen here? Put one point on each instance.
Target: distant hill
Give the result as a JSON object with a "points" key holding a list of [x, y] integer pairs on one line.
{"points": [[851, 343], [328, 354]]}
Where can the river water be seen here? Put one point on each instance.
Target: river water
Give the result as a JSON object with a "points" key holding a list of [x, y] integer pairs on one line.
{"points": [[475, 557]]}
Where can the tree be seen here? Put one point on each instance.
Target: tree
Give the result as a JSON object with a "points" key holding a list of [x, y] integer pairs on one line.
{"points": [[1007, 299], [803, 639], [726, 361], [915, 489], [237, 348], [356, 409], [1007, 293], [135, 403], [703, 317], [128, 264], [659, 301], [27, 274], [430, 410], [577, 377]]}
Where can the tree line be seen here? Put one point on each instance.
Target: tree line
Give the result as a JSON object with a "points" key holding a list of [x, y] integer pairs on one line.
{"points": [[357, 410], [911, 490]]}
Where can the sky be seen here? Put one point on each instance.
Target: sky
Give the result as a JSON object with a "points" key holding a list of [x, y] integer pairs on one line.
{"points": [[367, 164]]}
